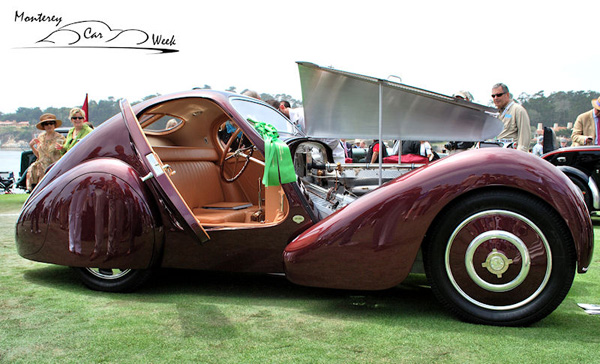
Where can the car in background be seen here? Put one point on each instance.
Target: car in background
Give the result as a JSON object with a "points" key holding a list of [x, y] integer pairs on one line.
{"points": [[234, 186], [582, 166]]}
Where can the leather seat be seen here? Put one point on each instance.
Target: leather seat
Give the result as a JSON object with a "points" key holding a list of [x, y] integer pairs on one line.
{"points": [[198, 180]]}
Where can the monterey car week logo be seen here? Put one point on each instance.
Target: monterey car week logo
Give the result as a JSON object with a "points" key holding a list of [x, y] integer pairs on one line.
{"points": [[96, 34]]}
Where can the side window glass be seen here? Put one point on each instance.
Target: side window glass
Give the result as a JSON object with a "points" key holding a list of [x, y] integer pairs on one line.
{"points": [[165, 123], [226, 132]]}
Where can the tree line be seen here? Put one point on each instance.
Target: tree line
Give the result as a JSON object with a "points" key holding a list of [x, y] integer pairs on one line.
{"points": [[559, 107], [99, 112]]}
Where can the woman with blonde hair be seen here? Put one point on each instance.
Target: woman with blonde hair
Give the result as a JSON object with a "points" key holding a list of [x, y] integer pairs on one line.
{"points": [[79, 130], [45, 147]]}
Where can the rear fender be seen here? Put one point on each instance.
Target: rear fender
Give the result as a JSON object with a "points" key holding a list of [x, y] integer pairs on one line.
{"points": [[88, 217]]}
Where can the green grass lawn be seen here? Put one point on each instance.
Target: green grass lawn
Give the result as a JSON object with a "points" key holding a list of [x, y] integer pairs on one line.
{"points": [[47, 315]]}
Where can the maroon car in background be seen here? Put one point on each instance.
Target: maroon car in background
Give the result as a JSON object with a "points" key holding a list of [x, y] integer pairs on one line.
{"points": [[175, 182]]}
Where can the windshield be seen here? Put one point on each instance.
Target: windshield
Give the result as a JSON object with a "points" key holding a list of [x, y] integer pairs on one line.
{"points": [[266, 114]]}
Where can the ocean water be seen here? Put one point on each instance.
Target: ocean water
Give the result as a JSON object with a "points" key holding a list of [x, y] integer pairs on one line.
{"points": [[10, 160]]}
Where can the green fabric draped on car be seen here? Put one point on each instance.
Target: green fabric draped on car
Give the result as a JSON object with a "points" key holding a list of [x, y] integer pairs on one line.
{"points": [[279, 168]]}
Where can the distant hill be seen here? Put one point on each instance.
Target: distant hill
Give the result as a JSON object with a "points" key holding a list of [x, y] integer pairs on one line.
{"points": [[559, 107]]}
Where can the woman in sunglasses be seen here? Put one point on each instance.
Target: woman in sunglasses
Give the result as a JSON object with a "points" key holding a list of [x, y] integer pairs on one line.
{"points": [[45, 147], [78, 131]]}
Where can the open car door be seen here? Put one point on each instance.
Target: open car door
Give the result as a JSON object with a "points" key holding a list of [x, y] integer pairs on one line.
{"points": [[180, 211]]}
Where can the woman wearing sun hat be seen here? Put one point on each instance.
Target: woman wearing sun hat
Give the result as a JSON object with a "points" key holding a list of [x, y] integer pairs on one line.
{"points": [[45, 148], [78, 131]]}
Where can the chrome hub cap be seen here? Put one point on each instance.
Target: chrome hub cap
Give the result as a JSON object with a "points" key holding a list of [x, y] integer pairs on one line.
{"points": [[498, 260], [497, 263], [110, 274]]}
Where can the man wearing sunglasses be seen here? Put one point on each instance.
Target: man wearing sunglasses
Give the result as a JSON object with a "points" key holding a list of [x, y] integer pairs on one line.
{"points": [[514, 117]]}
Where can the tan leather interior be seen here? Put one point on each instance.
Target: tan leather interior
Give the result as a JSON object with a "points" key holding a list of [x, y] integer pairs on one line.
{"points": [[193, 151], [198, 181]]}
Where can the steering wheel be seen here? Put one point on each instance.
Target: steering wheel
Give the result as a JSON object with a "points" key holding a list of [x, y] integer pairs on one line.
{"points": [[240, 153]]}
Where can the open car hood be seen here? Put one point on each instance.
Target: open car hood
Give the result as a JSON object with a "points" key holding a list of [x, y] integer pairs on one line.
{"points": [[347, 105]]}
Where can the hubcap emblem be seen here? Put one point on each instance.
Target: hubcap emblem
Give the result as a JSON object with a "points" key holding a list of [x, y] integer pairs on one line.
{"points": [[497, 263]]}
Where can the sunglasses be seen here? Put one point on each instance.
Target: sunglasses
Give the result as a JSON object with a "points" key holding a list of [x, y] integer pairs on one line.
{"points": [[77, 118], [48, 123], [497, 95]]}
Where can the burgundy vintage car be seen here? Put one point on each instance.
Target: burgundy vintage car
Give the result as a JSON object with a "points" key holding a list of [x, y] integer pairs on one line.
{"points": [[217, 181]]}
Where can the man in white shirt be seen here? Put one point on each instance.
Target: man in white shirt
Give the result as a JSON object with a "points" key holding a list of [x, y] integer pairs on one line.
{"points": [[425, 150], [538, 149], [296, 115]]}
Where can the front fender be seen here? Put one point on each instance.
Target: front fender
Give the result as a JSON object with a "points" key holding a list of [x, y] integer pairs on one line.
{"points": [[89, 217], [372, 243]]}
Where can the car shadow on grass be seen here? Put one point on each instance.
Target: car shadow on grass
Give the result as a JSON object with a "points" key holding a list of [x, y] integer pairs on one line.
{"points": [[197, 294], [411, 298]]}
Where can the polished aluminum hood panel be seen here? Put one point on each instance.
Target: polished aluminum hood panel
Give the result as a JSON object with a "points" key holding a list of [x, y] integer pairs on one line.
{"points": [[346, 105]]}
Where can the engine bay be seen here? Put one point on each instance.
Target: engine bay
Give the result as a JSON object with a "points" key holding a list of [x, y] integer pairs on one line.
{"points": [[331, 186]]}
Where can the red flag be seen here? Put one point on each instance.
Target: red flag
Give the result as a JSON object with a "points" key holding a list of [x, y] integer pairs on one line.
{"points": [[85, 108]]}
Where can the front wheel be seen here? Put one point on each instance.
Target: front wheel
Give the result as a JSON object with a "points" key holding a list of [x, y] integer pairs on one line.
{"points": [[500, 258], [113, 280]]}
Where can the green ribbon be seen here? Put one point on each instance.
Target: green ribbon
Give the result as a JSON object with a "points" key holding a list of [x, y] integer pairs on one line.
{"points": [[279, 168]]}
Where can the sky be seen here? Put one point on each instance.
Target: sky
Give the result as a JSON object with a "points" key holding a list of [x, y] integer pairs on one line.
{"points": [[436, 45]]}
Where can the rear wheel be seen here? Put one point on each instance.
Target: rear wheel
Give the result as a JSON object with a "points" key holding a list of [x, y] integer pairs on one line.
{"points": [[113, 280], [501, 258]]}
